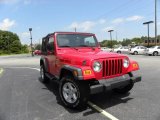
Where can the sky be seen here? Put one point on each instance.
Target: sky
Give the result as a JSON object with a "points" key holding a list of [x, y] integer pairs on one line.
{"points": [[125, 17]]}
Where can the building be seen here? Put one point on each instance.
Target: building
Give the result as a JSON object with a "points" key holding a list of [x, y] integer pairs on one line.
{"points": [[151, 42]]}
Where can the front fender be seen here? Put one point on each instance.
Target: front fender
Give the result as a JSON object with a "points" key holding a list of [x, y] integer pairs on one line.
{"points": [[45, 63], [78, 72], [75, 71], [133, 66]]}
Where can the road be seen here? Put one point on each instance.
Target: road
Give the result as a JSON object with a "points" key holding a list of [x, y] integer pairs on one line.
{"points": [[24, 97]]}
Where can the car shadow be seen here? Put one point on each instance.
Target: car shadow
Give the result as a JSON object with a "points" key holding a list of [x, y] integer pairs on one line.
{"points": [[104, 100], [53, 87], [109, 98]]}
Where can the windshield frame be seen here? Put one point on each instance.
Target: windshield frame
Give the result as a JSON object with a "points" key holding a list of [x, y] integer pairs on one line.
{"points": [[80, 45]]}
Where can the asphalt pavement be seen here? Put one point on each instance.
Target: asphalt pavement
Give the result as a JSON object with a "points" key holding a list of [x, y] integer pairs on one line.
{"points": [[24, 97]]}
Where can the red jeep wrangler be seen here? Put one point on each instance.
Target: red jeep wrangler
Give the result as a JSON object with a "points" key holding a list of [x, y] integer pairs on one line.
{"points": [[81, 68]]}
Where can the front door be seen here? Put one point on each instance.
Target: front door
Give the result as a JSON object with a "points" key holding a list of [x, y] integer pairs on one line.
{"points": [[51, 54]]}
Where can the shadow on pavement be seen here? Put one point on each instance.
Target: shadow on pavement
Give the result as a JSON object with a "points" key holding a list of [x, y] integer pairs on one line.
{"points": [[103, 100], [109, 98], [53, 87]]}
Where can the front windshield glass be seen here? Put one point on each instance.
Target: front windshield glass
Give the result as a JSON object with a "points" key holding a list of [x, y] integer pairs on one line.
{"points": [[76, 40]]}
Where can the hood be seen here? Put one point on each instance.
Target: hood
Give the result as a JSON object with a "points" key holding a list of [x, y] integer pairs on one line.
{"points": [[86, 54]]}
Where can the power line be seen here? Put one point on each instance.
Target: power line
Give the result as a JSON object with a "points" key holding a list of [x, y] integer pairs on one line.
{"points": [[116, 8], [133, 9]]}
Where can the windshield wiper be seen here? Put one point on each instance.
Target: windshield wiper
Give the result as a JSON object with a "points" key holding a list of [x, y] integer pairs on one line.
{"points": [[92, 47], [65, 46], [69, 47], [84, 46]]}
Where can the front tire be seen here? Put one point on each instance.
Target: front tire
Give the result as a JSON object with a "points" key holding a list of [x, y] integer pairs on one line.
{"points": [[73, 94], [135, 53]]}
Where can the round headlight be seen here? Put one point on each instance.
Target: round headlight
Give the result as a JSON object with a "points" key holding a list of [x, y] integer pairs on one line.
{"points": [[97, 66], [125, 63]]}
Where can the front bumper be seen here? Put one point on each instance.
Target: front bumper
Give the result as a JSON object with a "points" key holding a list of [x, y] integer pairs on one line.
{"points": [[108, 84]]}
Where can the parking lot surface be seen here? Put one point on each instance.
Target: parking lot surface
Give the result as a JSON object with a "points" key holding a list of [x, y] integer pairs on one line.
{"points": [[24, 97]]}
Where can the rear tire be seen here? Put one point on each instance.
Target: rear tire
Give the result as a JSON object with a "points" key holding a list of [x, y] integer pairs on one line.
{"points": [[155, 53], [119, 52], [43, 77], [135, 53], [73, 94]]}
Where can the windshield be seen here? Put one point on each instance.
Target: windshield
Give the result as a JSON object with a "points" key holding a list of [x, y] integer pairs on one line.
{"points": [[76, 40]]}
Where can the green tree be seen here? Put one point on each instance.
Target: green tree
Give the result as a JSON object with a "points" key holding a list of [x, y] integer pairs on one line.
{"points": [[126, 42], [10, 43], [108, 43], [15, 47], [137, 40], [24, 49], [103, 43], [38, 47]]}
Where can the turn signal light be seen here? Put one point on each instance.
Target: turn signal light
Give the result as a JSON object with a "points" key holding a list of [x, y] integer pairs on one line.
{"points": [[135, 65], [87, 72]]}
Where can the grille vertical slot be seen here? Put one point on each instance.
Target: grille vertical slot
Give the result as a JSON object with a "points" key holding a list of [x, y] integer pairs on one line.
{"points": [[112, 67]]}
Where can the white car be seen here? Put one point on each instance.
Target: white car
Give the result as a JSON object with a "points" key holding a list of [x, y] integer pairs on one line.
{"points": [[106, 49], [123, 49], [137, 50], [155, 50]]}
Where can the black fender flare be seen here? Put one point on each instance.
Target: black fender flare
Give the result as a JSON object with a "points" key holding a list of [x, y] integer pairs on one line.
{"points": [[45, 63], [71, 69]]}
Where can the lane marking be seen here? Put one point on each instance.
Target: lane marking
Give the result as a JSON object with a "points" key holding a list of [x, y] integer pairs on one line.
{"points": [[1, 71], [25, 67], [108, 115]]}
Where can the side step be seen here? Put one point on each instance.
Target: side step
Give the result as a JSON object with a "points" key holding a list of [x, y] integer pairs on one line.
{"points": [[51, 77]]}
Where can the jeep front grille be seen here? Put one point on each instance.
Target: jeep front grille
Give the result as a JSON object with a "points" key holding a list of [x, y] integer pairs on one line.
{"points": [[112, 67]]}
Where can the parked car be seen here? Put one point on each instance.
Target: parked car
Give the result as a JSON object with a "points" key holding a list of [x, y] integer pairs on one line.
{"points": [[123, 49], [106, 49], [81, 68], [137, 50], [155, 50], [37, 52]]}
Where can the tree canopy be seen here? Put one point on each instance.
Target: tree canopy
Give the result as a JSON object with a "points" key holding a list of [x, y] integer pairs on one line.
{"points": [[126, 42], [11, 44]]}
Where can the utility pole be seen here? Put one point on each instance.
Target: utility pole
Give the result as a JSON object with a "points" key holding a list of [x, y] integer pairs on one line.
{"points": [[30, 30], [147, 23], [75, 29], [110, 31], [116, 36], [7, 43], [155, 22]]}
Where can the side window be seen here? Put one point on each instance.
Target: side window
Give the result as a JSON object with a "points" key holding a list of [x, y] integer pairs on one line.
{"points": [[50, 44], [158, 48], [43, 45]]}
